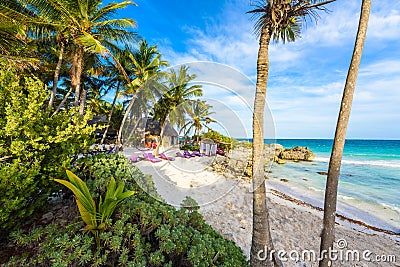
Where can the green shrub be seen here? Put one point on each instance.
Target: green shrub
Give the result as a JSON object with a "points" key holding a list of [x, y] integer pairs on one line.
{"points": [[218, 137], [190, 147], [34, 147], [143, 231], [95, 215]]}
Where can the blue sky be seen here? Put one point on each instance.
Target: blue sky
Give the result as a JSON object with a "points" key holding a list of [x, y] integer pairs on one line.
{"points": [[306, 77]]}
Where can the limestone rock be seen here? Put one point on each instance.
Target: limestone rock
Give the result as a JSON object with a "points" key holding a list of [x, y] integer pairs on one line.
{"points": [[295, 153]]}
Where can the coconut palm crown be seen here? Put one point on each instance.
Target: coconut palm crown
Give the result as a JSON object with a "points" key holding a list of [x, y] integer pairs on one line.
{"points": [[284, 18]]}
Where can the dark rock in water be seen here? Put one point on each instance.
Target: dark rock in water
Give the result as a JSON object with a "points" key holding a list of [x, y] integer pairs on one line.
{"points": [[305, 179], [322, 173], [284, 180]]}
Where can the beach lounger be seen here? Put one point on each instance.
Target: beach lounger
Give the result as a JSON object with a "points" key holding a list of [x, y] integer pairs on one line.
{"points": [[134, 158], [150, 157], [179, 154], [187, 153], [221, 152], [163, 156], [111, 150], [197, 153]]}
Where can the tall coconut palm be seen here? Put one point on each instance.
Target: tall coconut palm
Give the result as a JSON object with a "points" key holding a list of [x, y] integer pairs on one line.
{"points": [[279, 20], [177, 98], [328, 234], [144, 64]]}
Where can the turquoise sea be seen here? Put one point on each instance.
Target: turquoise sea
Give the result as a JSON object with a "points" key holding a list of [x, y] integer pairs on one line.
{"points": [[369, 185]]}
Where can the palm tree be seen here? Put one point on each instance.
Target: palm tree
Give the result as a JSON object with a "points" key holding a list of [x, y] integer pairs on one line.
{"points": [[279, 20], [328, 235], [89, 29], [144, 64], [176, 100], [199, 113], [14, 41]]}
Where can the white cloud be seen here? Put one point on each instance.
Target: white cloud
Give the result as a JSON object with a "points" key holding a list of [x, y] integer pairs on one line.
{"points": [[384, 25], [384, 67], [307, 77]]}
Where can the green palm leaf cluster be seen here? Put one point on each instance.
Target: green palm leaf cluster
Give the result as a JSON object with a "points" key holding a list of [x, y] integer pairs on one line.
{"points": [[94, 217], [284, 18], [71, 30], [199, 117], [176, 100]]}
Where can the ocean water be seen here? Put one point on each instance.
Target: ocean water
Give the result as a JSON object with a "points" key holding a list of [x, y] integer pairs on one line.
{"points": [[369, 185]]}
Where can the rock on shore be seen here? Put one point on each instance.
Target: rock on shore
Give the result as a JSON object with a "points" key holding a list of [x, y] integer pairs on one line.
{"points": [[294, 153]]}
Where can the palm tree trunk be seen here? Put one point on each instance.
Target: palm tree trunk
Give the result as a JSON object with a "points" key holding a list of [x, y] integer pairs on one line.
{"points": [[328, 235], [76, 71], [82, 101], [111, 112], [56, 75], [261, 237], [118, 144], [159, 141], [62, 102]]}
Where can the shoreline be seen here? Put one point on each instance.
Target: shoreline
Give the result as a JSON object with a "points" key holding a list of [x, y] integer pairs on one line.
{"points": [[226, 204], [338, 215], [279, 189]]}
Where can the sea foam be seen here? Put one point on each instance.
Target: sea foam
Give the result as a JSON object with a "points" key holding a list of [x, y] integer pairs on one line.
{"points": [[382, 163], [390, 206]]}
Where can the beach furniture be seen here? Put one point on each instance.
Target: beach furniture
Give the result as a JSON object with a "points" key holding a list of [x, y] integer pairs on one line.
{"points": [[187, 153], [150, 157], [220, 152], [207, 149], [134, 158], [213, 150], [111, 150], [179, 154], [163, 156], [197, 153]]}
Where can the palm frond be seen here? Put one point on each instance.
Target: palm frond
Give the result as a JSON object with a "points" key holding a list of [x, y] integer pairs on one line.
{"points": [[284, 19], [109, 9]]}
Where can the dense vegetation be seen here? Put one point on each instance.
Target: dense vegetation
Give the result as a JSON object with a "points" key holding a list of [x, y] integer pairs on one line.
{"points": [[34, 147], [142, 232], [58, 62]]}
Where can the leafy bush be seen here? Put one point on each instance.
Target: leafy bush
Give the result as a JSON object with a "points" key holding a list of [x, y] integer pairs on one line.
{"points": [[143, 231], [34, 147], [95, 216], [218, 137], [190, 147]]}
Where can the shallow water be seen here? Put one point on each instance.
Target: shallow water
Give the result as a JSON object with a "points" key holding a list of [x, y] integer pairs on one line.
{"points": [[369, 180]]}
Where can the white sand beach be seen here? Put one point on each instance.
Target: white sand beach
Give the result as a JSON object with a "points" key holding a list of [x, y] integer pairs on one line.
{"points": [[226, 204]]}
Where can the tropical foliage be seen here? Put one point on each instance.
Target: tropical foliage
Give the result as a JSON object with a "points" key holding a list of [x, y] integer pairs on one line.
{"points": [[95, 217], [143, 230], [199, 118], [34, 146], [177, 98], [145, 65]]}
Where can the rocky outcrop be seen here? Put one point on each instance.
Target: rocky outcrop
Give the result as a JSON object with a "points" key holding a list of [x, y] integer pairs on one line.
{"points": [[294, 153], [238, 163]]}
